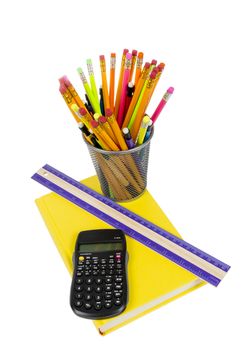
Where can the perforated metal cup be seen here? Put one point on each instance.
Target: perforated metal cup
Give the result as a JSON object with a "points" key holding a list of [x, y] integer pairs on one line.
{"points": [[122, 174]]}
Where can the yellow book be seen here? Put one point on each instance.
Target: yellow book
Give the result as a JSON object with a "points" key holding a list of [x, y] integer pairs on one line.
{"points": [[153, 280]]}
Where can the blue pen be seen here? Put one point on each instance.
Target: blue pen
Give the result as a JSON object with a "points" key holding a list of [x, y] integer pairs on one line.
{"points": [[128, 138]]}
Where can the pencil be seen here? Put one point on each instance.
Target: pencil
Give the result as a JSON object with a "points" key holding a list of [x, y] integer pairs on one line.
{"points": [[103, 135], [92, 99], [105, 125], [125, 80], [69, 100], [112, 80], [143, 130], [92, 79], [72, 91], [138, 67], [118, 94], [116, 129], [104, 82], [162, 104], [138, 88], [134, 58], [144, 101]]}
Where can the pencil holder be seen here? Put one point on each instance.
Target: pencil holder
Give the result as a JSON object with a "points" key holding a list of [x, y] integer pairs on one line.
{"points": [[122, 174]]}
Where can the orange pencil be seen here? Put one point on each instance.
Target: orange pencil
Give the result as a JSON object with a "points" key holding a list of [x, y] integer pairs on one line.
{"points": [[104, 82], [69, 100], [136, 94], [103, 135], [118, 95], [143, 105], [134, 58], [138, 67], [159, 70], [116, 129], [72, 90], [112, 80], [105, 125]]}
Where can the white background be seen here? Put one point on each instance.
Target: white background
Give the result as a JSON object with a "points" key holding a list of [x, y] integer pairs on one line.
{"points": [[197, 164]]}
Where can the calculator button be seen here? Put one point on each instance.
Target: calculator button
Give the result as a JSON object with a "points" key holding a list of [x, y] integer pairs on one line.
{"points": [[95, 273], [88, 297], [103, 261], [79, 273], [88, 306], [117, 294], [117, 302], [108, 296], [98, 289], [81, 258], [118, 266], [78, 295], [118, 279], [88, 273], [108, 279], [79, 288], [79, 280], [98, 306], [98, 280], [88, 288], [117, 286], [103, 272], [110, 272], [89, 281], [98, 297], [78, 303], [108, 288], [119, 272], [108, 304]]}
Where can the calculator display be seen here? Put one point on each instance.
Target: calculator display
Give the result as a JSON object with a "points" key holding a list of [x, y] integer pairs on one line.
{"points": [[100, 247]]}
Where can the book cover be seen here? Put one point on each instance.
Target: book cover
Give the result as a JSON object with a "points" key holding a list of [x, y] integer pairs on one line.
{"points": [[153, 280]]}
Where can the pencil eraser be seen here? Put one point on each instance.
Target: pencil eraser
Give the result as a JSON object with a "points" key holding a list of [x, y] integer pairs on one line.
{"points": [[79, 70], [62, 89], [125, 131], [61, 80], [108, 112], [128, 56], [113, 54], [102, 119], [102, 58], [140, 55], [94, 124], [82, 111], [146, 119], [153, 74], [153, 63], [147, 65], [161, 65], [134, 52], [125, 51], [170, 90], [130, 85], [88, 61]]}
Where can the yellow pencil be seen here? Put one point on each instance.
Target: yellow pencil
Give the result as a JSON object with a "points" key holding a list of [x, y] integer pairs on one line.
{"points": [[138, 67], [116, 129], [104, 82], [134, 58], [103, 135]]}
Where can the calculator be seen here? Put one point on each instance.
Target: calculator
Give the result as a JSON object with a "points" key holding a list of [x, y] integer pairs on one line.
{"points": [[99, 286]]}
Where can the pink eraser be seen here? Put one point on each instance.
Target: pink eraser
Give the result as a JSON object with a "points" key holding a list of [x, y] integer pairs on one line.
{"points": [[170, 90], [147, 65], [102, 58], [94, 124], [108, 112], [125, 51], [62, 88], [128, 56], [153, 62], [153, 74], [61, 80], [82, 111], [102, 119], [134, 52]]}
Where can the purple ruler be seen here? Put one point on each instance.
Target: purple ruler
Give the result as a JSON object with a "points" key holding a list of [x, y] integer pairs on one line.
{"points": [[168, 245]]}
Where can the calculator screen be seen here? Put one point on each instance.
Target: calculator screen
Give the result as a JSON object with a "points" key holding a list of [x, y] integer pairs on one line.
{"points": [[100, 247]]}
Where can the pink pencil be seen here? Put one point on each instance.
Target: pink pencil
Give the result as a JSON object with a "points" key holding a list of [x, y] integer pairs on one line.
{"points": [[162, 104], [125, 81]]}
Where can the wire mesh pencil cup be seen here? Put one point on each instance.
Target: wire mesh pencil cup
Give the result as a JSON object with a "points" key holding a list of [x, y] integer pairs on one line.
{"points": [[122, 174]]}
